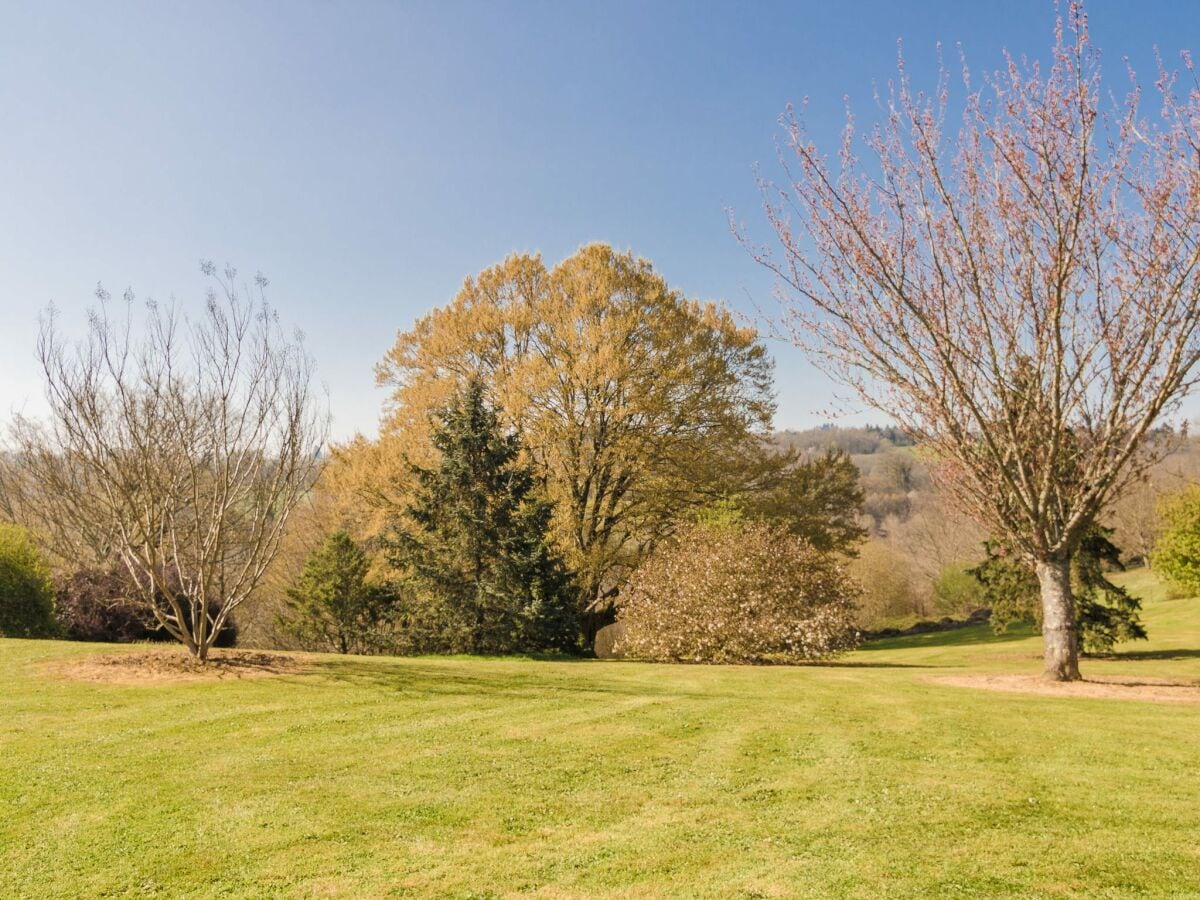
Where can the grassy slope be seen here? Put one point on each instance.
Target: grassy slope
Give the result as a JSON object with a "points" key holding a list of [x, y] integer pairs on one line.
{"points": [[479, 777]]}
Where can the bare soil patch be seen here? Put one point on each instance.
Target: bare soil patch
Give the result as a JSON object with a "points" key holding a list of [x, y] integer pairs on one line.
{"points": [[173, 665], [1104, 687]]}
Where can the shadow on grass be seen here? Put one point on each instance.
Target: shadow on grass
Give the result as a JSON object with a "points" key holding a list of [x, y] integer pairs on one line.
{"points": [[853, 664], [956, 637], [441, 677], [1150, 654]]}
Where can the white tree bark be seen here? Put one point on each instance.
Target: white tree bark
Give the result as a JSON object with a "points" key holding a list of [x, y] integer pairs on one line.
{"points": [[1060, 630]]}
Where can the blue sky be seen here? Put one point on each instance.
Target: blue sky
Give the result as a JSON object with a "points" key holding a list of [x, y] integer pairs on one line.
{"points": [[368, 156]]}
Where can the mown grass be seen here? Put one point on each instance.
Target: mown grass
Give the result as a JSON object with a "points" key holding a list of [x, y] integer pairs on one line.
{"points": [[493, 777]]}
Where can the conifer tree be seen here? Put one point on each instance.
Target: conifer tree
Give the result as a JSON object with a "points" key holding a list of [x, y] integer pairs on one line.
{"points": [[480, 575], [1107, 613], [333, 604]]}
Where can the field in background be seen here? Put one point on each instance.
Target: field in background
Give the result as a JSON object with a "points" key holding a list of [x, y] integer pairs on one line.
{"points": [[476, 777]]}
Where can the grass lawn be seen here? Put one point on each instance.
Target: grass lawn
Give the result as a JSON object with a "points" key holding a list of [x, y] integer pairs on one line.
{"points": [[493, 777]]}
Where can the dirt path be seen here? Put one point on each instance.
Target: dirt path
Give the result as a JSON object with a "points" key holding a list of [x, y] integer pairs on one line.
{"points": [[1107, 687]]}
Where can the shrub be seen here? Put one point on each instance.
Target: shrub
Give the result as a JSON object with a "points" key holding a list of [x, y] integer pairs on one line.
{"points": [[92, 605], [737, 593], [26, 593], [1177, 551], [955, 590], [96, 604]]}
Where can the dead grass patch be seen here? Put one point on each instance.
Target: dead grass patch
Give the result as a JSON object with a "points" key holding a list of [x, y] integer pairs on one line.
{"points": [[1104, 687], [172, 665]]}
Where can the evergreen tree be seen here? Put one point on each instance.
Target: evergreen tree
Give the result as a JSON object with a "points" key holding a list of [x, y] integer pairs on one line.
{"points": [[479, 572], [333, 605], [1107, 613]]}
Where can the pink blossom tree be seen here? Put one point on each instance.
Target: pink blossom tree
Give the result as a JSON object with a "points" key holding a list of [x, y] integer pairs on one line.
{"points": [[1021, 291]]}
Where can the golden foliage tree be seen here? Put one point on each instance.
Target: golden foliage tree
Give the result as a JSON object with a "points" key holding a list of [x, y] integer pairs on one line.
{"points": [[623, 390]]}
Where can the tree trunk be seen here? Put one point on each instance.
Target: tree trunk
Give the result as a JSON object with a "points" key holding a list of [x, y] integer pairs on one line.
{"points": [[593, 620], [1060, 631], [203, 639]]}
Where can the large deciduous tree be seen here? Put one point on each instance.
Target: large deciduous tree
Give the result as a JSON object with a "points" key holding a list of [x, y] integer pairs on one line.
{"points": [[177, 447], [1020, 289], [818, 497], [623, 391]]}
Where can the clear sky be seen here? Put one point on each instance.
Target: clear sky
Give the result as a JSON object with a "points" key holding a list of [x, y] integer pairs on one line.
{"points": [[368, 156]]}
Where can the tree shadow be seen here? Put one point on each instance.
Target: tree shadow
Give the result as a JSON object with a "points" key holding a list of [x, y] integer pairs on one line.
{"points": [[955, 637], [440, 680], [1150, 654], [855, 664], [435, 678]]}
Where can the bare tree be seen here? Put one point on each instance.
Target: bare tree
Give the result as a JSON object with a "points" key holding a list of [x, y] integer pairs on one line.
{"points": [[1023, 294], [936, 536], [180, 450]]}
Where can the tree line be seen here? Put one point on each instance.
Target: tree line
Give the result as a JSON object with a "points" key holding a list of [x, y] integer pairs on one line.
{"points": [[1017, 292], [596, 408], [549, 431]]}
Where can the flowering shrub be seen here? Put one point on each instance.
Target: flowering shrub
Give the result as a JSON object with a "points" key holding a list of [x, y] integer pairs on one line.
{"points": [[737, 593]]}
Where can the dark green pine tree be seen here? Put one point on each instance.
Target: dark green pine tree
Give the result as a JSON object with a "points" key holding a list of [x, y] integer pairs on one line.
{"points": [[1107, 612], [480, 575], [333, 605]]}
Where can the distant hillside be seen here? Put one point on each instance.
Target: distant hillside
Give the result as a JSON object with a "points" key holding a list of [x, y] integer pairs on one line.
{"points": [[892, 475], [917, 539], [855, 441]]}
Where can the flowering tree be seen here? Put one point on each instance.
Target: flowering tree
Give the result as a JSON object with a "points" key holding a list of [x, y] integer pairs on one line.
{"points": [[1021, 291]]}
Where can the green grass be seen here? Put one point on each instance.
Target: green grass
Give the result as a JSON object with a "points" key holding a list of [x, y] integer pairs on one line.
{"points": [[471, 777]]}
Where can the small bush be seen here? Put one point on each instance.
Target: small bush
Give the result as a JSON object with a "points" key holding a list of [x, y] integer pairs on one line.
{"points": [[93, 606], [26, 593], [955, 590], [97, 604], [737, 593], [1177, 552]]}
